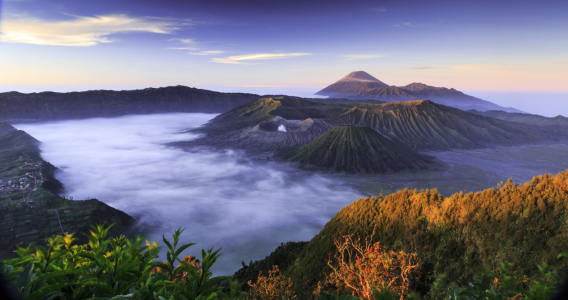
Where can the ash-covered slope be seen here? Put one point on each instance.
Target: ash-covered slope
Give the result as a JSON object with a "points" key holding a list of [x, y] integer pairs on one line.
{"points": [[370, 89], [425, 125], [259, 126], [17, 107], [352, 84], [418, 125], [353, 149]]}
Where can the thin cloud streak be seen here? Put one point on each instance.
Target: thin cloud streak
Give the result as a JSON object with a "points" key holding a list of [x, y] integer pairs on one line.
{"points": [[379, 9], [192, 45], [81, 31], [259, 56], [206, 52]]}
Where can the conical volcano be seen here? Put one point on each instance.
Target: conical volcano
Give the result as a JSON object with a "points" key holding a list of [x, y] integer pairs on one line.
{"points": [[353, 83], [354, 149]]}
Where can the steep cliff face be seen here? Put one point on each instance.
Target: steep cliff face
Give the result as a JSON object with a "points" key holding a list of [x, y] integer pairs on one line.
{"points": [[18, 107]]}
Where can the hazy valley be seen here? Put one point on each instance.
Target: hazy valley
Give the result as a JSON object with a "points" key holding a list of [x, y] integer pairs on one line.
{"points": [[247, 173]]}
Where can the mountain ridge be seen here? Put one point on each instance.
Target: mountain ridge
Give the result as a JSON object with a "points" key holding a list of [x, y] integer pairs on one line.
{"points": [[413, 91], [17, 107], [420, 125], [29, 197]]}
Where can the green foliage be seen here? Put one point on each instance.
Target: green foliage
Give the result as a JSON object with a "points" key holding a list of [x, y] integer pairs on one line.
{"points": [[506, 284], [115, 268], [284, 256]]}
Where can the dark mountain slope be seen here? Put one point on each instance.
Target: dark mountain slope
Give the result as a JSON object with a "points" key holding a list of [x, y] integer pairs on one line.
{"points": [[18, 107], [6, 128], [354, 149], [29, 198]]}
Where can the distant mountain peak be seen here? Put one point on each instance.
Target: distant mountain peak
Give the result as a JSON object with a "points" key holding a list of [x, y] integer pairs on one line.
{"points": [[416, 86], [354, 83], [359, 76]]}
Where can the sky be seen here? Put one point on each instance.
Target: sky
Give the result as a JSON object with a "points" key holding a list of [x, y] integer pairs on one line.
{"points": [[498, 46]]}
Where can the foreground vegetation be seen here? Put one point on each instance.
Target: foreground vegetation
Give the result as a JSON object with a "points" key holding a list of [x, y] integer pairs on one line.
{"points": [[455, 238], [119, 268], [504, 243]]}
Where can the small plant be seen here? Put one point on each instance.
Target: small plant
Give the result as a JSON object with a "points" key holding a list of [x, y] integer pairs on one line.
{"points": [[273, 287], [370, 271], [115, 268]]}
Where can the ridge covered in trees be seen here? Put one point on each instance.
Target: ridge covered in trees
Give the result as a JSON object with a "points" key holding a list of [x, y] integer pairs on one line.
{"points": [[455, 238]]}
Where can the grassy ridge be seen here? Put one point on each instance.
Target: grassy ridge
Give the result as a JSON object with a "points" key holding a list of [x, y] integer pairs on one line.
{"points": [[458, 235], [354, 149]]}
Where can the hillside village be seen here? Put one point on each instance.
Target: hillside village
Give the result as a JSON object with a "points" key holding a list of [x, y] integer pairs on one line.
{"points": [[28, 178]]}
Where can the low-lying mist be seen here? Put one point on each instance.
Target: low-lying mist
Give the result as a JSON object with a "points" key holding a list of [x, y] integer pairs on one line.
{"points": [[222, 198]]}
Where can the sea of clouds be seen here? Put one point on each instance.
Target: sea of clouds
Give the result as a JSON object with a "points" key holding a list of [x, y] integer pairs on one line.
{"points": [[221, 197]]}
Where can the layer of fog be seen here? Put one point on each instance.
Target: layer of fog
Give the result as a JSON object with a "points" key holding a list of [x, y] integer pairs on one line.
{"points": [[545, 104], [222, 198]]}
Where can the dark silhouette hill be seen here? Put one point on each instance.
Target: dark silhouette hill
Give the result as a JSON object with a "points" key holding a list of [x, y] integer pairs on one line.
{"points": [[372, 88], [354, 149], [19, 107]]}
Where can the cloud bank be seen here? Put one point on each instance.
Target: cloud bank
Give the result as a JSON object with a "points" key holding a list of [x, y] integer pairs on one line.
{"points": [[259, 56], [222, 198], [80, 30]]}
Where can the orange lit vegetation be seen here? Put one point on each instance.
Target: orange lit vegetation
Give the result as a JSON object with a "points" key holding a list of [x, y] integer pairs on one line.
{"points": [[360, 269], [273, 287]]}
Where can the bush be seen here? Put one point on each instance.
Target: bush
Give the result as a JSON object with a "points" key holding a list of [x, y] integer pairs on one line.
{"points": [[116, 268]]}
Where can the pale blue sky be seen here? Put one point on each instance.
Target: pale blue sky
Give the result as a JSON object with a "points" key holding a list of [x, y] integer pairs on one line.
{"points": [[515, 46]]}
